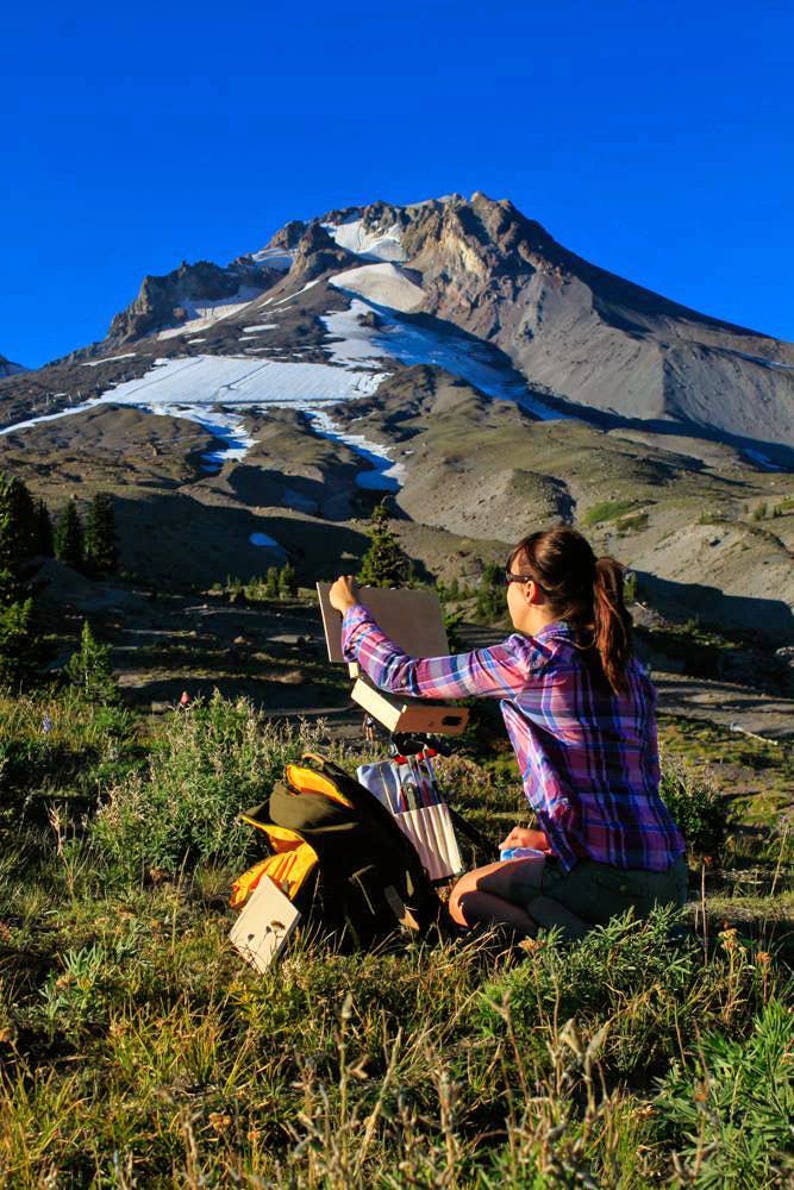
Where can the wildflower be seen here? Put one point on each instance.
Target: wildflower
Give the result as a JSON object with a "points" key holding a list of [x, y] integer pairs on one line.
{"points": [[728, 938], [763, 958], [220, 1121]]}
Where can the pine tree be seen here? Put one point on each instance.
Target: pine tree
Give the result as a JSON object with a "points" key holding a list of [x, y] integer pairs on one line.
{"points": [[15, 638], [17, 525], [69, 536], [385, 563], [271, 583], [17, 547], [44, 538], [90, 669], [101, 541], [287, 581]]}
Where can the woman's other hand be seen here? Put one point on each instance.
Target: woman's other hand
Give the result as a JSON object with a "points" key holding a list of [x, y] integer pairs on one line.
{"points": [[343, 593], [522, 836]]}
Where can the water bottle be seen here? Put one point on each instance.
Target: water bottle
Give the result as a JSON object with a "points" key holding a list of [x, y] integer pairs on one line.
{"points": [[521, 853]]}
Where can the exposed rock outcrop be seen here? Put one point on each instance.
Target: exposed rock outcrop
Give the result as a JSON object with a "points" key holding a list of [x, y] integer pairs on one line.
{"points": [[166, 301]]}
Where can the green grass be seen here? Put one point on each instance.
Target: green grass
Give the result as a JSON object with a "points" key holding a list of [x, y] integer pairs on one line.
{"points": [[607, 510], [137, 1050]]}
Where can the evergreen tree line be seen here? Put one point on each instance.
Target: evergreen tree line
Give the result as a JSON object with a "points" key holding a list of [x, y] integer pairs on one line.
{"points": [[27, 533], [91, 546]]}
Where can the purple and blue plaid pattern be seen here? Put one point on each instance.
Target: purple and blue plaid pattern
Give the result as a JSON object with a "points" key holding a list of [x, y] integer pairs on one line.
{"points": [[588, 759]]}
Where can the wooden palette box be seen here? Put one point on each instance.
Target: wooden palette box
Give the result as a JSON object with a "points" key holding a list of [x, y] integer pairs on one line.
{"points": [[413, 620]]}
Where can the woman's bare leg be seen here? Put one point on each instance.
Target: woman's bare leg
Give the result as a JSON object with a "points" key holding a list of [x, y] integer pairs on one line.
{"points": [[494, 894]]}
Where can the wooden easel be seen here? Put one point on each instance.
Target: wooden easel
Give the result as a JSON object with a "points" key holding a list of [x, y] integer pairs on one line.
{"points": [[413, 620]]}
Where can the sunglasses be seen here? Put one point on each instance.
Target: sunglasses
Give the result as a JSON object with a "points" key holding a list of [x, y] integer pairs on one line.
{"points": [[509, 578]]}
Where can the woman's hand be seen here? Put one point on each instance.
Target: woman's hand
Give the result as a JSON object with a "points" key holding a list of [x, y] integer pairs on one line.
{"points": [[343, 593], [522, 836]]}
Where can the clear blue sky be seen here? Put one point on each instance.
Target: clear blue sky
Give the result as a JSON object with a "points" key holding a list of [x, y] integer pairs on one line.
{"points": [[653, 138]]}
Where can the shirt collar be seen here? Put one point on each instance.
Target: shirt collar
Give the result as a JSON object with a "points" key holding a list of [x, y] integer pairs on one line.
{"points": [[558, 628]]}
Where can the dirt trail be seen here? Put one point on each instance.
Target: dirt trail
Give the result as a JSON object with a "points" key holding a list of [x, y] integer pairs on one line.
{"points": [[739, 708]]}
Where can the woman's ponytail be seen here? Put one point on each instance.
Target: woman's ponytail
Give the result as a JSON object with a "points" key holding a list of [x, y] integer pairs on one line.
{"points": [[585, 591], [611, 622]]}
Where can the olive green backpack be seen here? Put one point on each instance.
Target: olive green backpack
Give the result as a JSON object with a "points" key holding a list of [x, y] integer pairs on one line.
{"points": [[339, 855]]}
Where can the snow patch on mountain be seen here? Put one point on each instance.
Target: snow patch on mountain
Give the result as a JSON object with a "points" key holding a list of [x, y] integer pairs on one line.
{"points": [[289, 297], [106, 359], [376, 244], [214, 391], [202, 317], [233, 380], [385, 475], [265, 541], [382, 284], [275, 258], [416, 343]]}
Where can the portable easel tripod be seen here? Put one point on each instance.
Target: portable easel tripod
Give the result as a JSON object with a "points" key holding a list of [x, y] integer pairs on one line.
{"points": [[413, 620]]}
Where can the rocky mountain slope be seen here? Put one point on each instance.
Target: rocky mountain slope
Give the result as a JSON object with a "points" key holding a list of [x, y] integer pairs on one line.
{"points": [[7, 368], [570, 327], [449, 352]]}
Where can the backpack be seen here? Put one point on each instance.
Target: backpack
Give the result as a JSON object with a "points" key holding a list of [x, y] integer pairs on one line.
{"points": [[339, 856]]}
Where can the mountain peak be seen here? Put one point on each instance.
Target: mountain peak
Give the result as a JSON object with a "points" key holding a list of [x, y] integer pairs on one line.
{"points": [[8, 368]]}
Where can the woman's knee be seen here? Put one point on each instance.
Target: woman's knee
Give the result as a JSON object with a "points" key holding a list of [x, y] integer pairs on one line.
{"points": [[466, 884]]}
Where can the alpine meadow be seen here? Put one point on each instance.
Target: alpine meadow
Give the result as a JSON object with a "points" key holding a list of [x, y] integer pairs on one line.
{"points": [[399, 392]]}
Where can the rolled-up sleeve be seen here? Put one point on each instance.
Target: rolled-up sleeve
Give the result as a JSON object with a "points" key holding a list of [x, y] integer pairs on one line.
{"points": [[501, 671]]}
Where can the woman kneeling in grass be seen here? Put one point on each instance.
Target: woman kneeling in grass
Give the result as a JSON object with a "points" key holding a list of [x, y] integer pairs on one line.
{"points": [[579, 710]]}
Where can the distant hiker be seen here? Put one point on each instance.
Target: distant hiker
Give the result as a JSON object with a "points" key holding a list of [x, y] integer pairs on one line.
{"points": [[184, 700], [369, 729], [579, 710]]}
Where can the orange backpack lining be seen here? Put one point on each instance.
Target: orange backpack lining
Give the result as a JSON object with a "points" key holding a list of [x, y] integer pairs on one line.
{"points": [[292, 862], [305, 781]]}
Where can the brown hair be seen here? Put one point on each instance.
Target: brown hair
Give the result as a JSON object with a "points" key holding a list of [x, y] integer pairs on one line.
{"points": [[585, 591]]}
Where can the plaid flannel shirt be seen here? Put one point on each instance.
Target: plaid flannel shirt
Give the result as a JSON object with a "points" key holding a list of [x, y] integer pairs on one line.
{"points": [[588, 759]]}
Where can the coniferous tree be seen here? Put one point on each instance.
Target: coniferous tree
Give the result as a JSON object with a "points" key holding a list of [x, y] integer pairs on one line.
{"points": [[44, 539], [385, 564], [101, 542], [90, 668], [17, 547], [69, 536], [17, 524], [15, 638], [287, 581], [271, 582]]}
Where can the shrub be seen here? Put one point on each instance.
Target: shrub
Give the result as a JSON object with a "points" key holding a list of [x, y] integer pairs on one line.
{"points": [[605, 976], [731, 1110], [208, 763], [491, 603], [699, 809]]}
